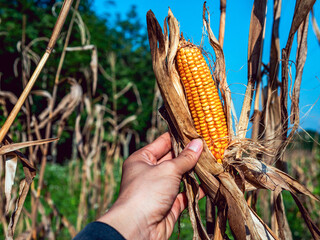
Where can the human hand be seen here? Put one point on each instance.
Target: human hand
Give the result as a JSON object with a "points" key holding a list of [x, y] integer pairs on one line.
{"points": [[149, 201]]}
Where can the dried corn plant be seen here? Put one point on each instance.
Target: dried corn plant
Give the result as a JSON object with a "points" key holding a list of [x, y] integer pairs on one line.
{"points": [[99, 144], [315, 26], [10, 151], [95, 142], [246, 165], [158, 125]]}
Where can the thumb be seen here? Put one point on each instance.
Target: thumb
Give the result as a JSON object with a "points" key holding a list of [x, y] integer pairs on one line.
{"points": [[188, 158]]}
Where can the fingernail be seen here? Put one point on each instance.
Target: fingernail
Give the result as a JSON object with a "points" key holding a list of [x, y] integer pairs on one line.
{"points": [[195, 145]]}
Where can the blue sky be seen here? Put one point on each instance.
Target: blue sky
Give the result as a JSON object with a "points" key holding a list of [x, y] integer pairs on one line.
{"points": [[189, 14]]}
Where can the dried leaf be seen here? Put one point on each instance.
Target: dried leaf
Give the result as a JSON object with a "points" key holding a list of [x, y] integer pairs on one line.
{"points": [[126, 121], [94, 69], [275, 46], [255, 46], [249, 187], [279, 220], [10, 96], [192, 192], [16, 146], [270, 117], [315, 26], [221, 219], [89, 119], [79, 137], [11, 166], [210, 217], [23, 191], [295, 186], [260, 174], [263, 175], [124, 90], [80, 48], [111, 121], [66, 105], [67, 108], [239, 215], [137, 94], [28, 168], [315, 231], [264, 231], [301, 57], [302, 9]]}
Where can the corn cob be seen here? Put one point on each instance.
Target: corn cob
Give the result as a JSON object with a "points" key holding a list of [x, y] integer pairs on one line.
{"points": [[203, 98]]}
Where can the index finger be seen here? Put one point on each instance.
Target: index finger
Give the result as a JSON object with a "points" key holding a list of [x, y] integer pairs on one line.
{"points": [[159, 147]]}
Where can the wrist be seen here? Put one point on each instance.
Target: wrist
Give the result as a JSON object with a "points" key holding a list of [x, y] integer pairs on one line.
{"points": [[126, 221]]}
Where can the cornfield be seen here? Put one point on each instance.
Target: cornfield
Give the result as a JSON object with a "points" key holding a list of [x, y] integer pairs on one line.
{"points": [[236, 171]]}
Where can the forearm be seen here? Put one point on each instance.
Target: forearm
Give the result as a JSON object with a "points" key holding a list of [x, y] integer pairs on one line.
{"points": [[125, 221]]}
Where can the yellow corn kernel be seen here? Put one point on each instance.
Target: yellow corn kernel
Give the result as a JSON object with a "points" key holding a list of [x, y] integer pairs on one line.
{"points": [[203, 98]]}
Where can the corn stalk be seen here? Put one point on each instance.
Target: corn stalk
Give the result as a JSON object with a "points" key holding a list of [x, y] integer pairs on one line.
{"points": [[12, 149], [243, 169]]}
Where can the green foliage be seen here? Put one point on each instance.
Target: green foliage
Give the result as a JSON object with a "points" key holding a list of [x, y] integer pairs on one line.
{"points": [[57, 183], [304, 140]]}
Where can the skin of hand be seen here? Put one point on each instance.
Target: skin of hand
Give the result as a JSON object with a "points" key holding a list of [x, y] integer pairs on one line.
{"points": [[149, 201]]}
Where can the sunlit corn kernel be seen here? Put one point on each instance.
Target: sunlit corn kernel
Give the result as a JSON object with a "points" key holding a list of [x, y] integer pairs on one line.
{"points": [[200, 114], [202, 121], [203, 99], [214, 136], [217, 118], [206, 138], [209, 119], [199, 109], [219, 129], [212, 130], [207, 111], [203, 126]]}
